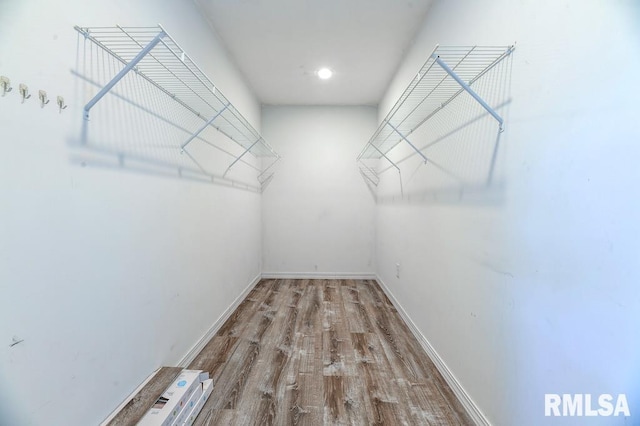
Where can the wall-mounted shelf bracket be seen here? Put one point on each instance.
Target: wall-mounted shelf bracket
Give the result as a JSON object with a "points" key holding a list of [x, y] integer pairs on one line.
{"points": [[266, 180], [368, 173], [383, 155], [240, 156], [263, 175], [128, 67], [468, 89], [408, 141], [201, 129]]}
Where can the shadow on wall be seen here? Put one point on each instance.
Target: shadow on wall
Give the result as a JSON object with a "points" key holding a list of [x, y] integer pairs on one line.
{"points": [[138, 128], [464, 148]]}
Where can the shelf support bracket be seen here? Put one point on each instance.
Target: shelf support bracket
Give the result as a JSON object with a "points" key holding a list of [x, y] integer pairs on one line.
{"points": [[241, 155], [393, 164], [368, 173], [201, 129], [469, 90], [368, 178], [262, 173], [122, 72], [387, 158], [408, 141]]}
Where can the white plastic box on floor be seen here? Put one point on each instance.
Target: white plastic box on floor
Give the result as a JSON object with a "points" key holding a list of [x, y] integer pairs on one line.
{"points": [[173, 401], [207, 388], [188, 406]]}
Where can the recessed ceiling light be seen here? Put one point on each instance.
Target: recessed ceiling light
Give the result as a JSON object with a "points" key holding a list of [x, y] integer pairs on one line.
{"points": [[324, 73]]}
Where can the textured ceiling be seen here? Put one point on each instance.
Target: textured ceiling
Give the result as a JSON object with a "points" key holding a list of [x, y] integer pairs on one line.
{"points": [[279, 44]]}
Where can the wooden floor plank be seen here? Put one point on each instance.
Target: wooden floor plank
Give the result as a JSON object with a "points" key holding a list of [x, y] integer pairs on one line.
{"points": [[214, 356], [312, 352], [212, 417], [138, 406], [240, 318], [310, 318], [266, 390], [310, 398], [334, 401], [409, 362], [375, 371], [357, 322]]}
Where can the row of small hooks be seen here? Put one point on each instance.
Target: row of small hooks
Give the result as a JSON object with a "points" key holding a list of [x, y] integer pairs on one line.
{"points": [[23, 90]]}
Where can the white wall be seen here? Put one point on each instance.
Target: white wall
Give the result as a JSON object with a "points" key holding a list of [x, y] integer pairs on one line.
{"points": [[529, 285], [317, 212], [106, 273]]}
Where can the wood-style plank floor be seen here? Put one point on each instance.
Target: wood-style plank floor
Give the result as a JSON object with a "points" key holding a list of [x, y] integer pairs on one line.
{"points": [[314, 352]]}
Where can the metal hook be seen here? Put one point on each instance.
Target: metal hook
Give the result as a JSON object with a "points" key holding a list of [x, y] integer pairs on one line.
{"points": [[24, 92], [6, 85], [61, 105], [42, 95]]}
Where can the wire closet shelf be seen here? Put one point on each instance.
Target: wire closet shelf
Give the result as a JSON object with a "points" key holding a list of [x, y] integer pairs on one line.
{"points": [[447, 73], [156, 57]]}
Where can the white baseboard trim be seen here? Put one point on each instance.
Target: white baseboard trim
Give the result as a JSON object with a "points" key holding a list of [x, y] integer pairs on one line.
{"points": [[320, 275], [472, 409], [195, 350], [115, 412]]}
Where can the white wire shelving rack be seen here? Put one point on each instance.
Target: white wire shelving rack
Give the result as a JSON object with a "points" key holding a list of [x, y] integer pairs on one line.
{"points": [[152, 54], [448, 72]]}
